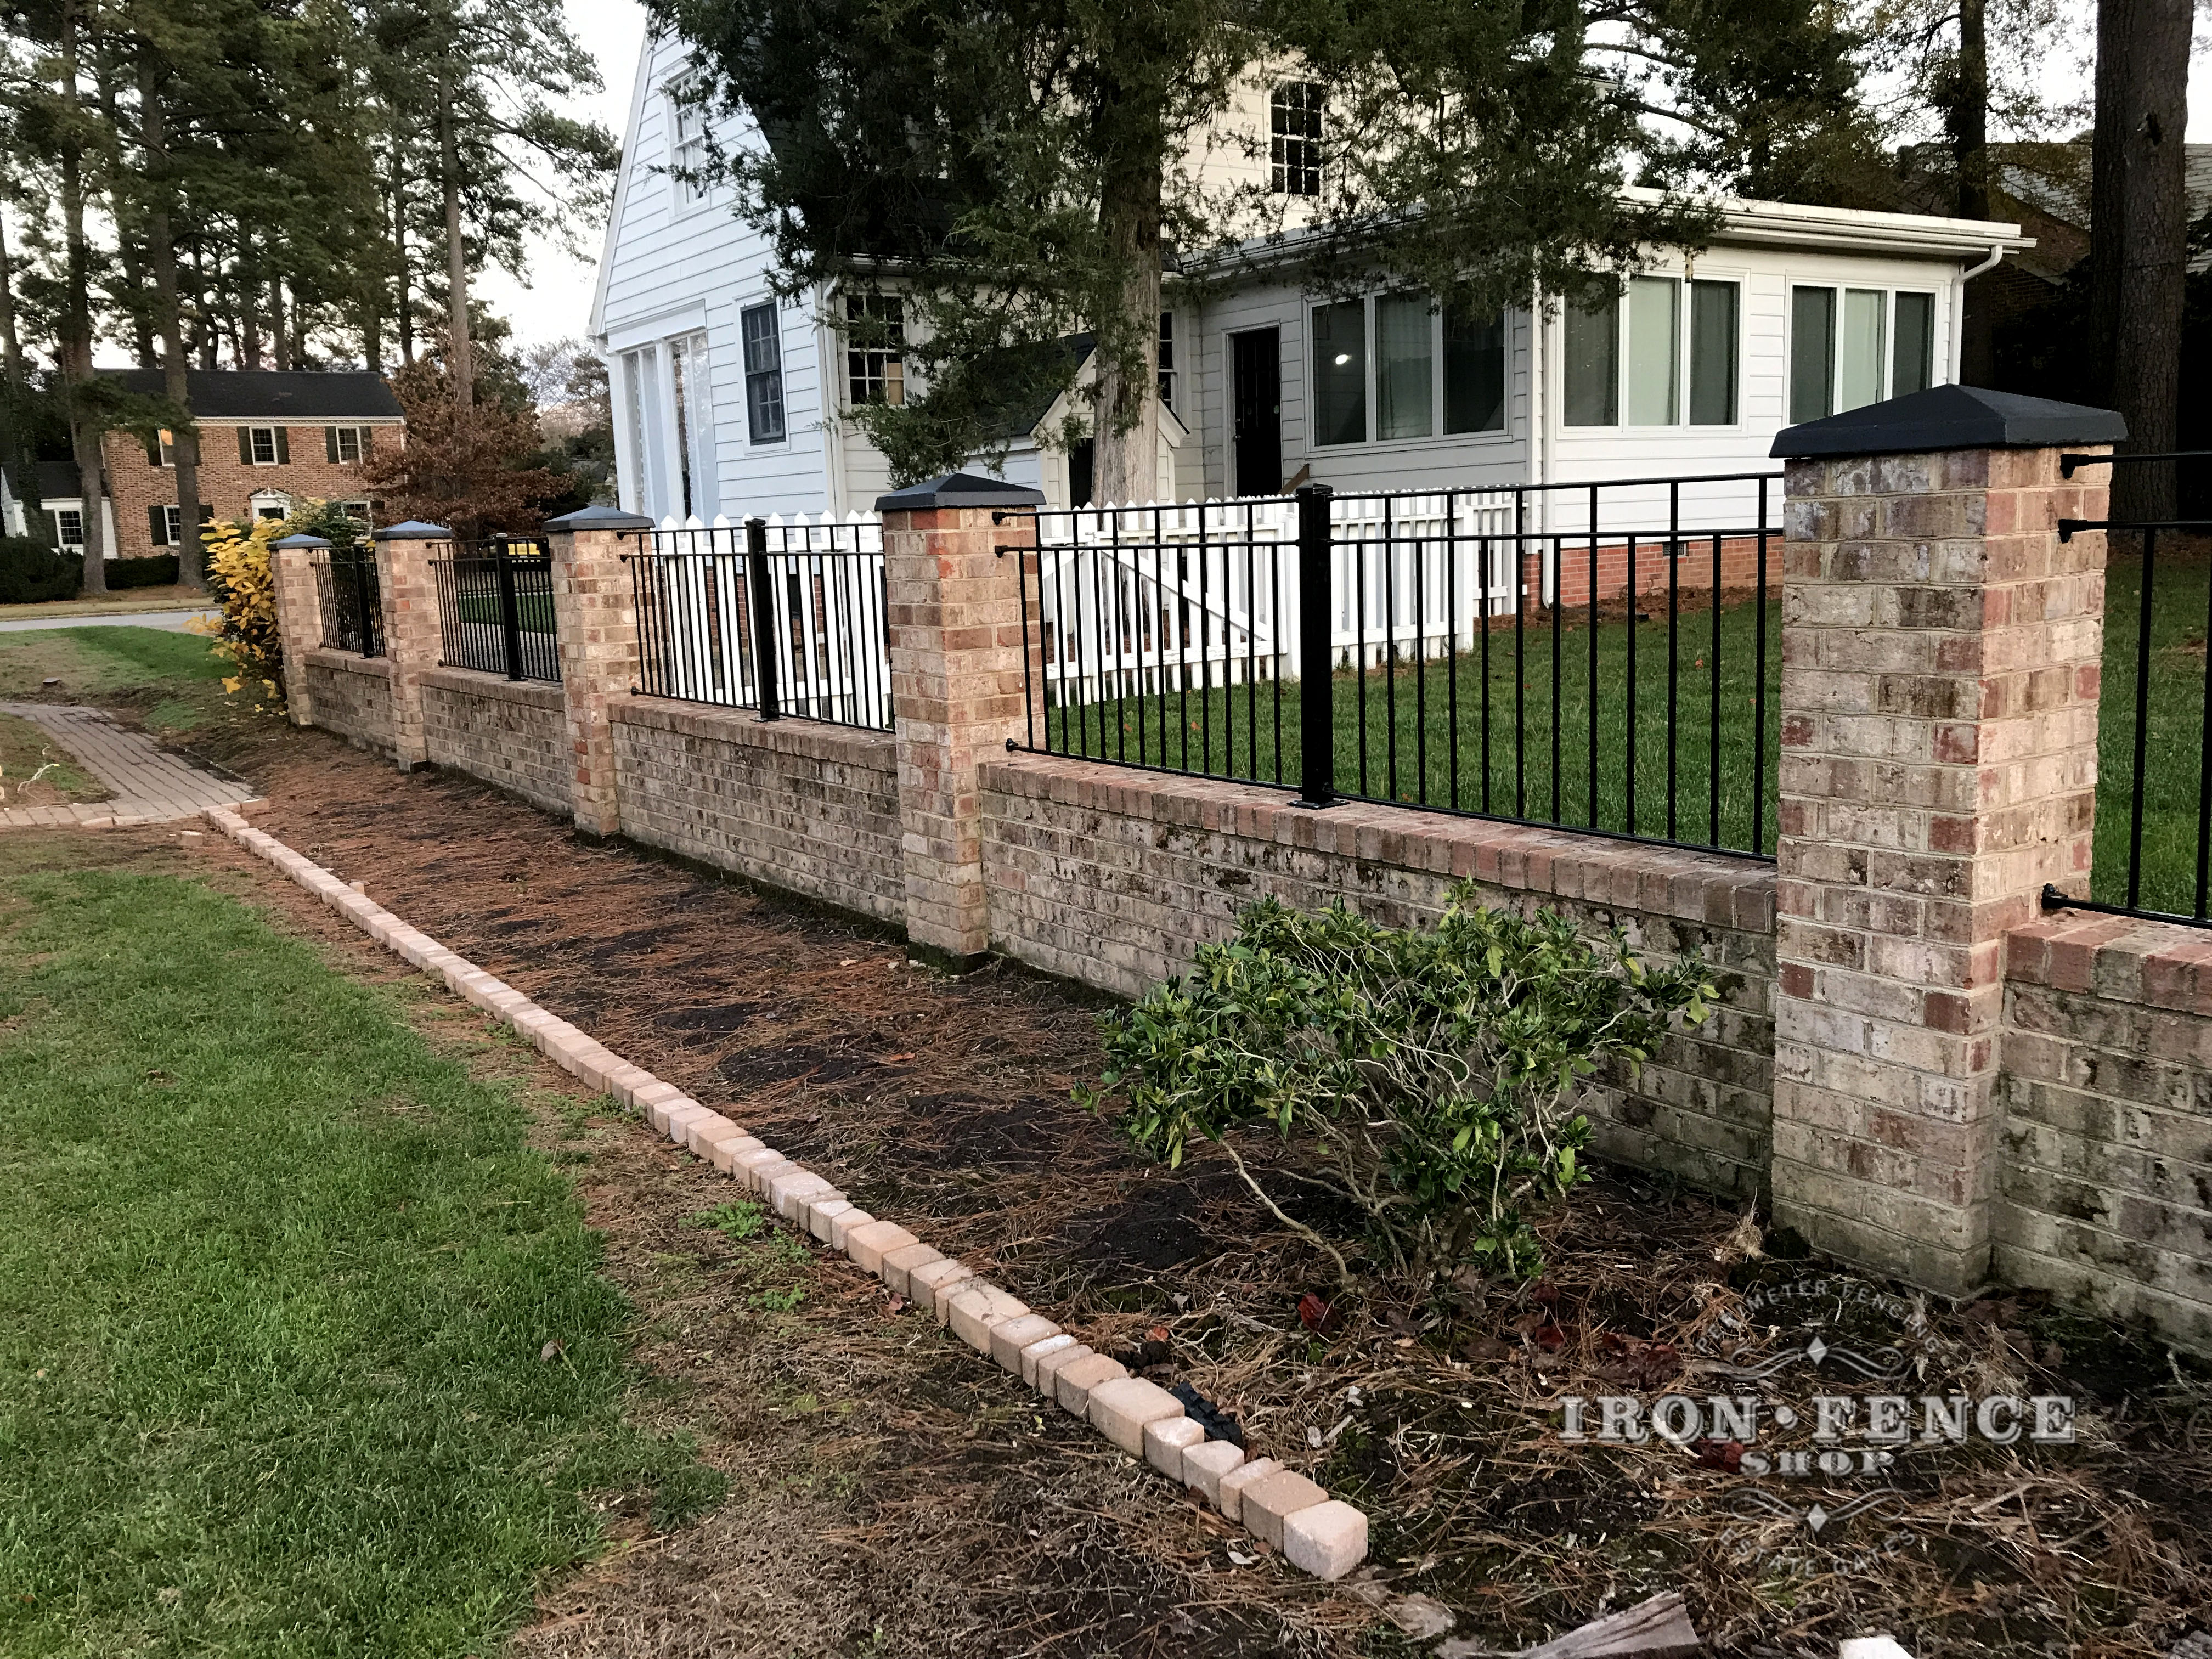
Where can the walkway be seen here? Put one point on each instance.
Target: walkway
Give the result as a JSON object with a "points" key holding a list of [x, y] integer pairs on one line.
{"points": [[151, 784], [175, 622]]}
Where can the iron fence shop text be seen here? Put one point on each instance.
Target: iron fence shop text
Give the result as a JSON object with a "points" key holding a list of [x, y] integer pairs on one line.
{"points": [[786, 618], [495, 607], [1593, 656], [2154, 713], [351, 599]]}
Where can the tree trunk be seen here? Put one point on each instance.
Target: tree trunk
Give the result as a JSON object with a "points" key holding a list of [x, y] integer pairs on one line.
{"points": [[403, 314], [249, 306], [280, 354], [460, 359], [1968, 119], [2139, 229], [22, 478], [77, 315], [1126, 445], [161, 253]]}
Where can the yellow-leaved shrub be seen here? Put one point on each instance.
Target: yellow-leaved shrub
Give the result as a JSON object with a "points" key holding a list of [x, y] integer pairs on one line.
{"points": [[239, 577]]}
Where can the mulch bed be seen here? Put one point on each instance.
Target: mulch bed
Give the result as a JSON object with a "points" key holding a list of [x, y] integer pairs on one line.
{"points": [[944, 1103]]}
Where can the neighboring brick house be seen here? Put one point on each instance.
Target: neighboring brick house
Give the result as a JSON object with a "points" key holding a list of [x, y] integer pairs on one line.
{"points": [[268, 439]]}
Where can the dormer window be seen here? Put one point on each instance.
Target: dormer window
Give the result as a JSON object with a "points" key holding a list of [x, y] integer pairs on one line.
{"points": [[1294, 138]]}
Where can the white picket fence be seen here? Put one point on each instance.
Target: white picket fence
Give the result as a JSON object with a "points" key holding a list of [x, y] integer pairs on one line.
{"points": [[1161, 596], [826, 583]]}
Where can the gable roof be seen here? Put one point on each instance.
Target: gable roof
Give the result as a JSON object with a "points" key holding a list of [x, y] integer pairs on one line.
{"points": [[268, 394]]}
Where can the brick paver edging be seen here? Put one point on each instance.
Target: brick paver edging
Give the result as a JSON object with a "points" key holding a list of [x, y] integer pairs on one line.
{"points": [[1318, 1533]]}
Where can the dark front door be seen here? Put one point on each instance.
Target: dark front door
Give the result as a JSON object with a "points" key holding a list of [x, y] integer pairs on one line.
{"points": [[1256, 452]]}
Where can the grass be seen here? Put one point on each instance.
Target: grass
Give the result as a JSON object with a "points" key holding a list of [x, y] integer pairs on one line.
{"points": [[2174, 732], [1422, 727], [303, 1350], [25, 753], [105, 661], [174, 597]]}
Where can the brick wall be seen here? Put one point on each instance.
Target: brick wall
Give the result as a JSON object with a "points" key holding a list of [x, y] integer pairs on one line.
{"points": [[1113, 877], [508, 733], [226, 483], [810, 808], [2104, 1180], [351, 695]]}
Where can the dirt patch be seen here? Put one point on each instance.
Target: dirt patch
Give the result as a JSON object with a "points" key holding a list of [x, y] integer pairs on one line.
{"points": [[943, 1102], [36, 771]]}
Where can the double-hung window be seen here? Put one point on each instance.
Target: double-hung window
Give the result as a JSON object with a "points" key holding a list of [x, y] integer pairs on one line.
{"points": [[1294, 138], [1167, 359], [345, 444], [875, 359], [68, 527], [1435, 369], [1665, 352], [763, 351], [161, 449], [687, 145], [263, 446], [1853, 346]]}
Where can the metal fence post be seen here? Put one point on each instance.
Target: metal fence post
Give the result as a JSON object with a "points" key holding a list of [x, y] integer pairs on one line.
{"points": [[763, 589], [1316, 687], [368, 641], [510, 611]]}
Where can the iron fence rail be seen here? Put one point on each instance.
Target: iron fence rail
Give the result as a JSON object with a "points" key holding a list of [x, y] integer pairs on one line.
{"points": [[350, 598], [786, 618], [1423, 649], [495, 607], [2154, 715]]}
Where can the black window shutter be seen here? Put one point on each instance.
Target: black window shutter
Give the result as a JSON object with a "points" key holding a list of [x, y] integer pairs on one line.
{"points": [[207, 512], [245, 446], [330, 445], [283, 448], [157, 520], [153, 452]]}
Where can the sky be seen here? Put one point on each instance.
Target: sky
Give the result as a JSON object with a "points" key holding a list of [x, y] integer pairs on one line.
{"points": [[557, 302]]}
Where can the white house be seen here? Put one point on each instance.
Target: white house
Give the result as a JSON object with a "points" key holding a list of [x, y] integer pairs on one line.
{"points": [[727, 400]]}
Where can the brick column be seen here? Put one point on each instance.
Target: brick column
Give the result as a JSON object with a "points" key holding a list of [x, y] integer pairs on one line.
{"points": [[595, 620], [299, 617], [412, 640], [1939, 661], [956, 655]]}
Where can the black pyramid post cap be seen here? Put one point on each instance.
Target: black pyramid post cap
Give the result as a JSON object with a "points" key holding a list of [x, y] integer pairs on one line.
{"points": [[959, 489], [1950, 418], [414, 530], [600, 516]]}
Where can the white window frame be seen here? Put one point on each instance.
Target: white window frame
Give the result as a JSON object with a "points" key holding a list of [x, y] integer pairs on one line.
{"points": [[773, 337], [62, 517], [686, 149], [866, 358], [1502, 433], [1938, 369], [1302, 176], [690, 446], [253, 436], [1623, 347], [360, 443]]}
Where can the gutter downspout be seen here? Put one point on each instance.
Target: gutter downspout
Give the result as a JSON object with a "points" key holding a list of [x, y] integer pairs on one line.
{"points": [[1959, 307]]}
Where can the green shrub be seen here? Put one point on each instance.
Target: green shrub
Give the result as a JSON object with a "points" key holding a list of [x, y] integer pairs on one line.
{"points": [[157, 570], [1428, 1078], [31, 572]]}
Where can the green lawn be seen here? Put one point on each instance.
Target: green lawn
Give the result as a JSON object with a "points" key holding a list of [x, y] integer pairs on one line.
{"points": [[105, 659], [2174, 731], [1424, 727], [274, 1282]]}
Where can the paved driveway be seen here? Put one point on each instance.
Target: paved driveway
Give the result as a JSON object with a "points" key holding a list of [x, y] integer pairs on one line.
{"points": [[173, 621]]}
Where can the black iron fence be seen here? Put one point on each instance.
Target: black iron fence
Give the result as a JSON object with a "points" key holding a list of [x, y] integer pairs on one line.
{"points": [[351, 600], [2152, 851], [1565, 661], [789, 619], [495, 607]]}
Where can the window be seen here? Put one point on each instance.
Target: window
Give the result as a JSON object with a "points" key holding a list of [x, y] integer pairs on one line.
{"points": [[1856, 346], [1713, 330], [161, 449], [270, 510], [1294, 138], [1593, 365], [763, 347], [165, 525], [1474, 372], [356, 510], [1167, 359], [1405, 367], [345, 444], [876, 335], [687, 145], [1340, 373], [1635, 355], [637, 372], [68, 527], [690, 382], [263, 446]]}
